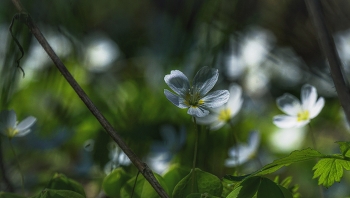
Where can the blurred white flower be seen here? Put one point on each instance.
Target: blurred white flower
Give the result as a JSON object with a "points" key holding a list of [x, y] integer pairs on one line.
{"points": [[10, 127], [223, 114], [241, 153], [162, 152], [118, 158], [298, 115], [195, 97]]}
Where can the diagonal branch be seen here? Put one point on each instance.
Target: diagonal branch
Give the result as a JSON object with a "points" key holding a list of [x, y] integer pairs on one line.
{"points": [[327, 45], [142, 167]]}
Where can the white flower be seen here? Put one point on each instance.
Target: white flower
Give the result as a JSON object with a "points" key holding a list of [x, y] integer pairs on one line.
{"points": [[118, 158], [221, 115], [195, 97], [245, 151], [9, 125], [298, 115]]}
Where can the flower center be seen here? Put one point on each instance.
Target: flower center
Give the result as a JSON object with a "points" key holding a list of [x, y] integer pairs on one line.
{"points": [[193, 98], [225, 115], [303, 115], [11, 132]]}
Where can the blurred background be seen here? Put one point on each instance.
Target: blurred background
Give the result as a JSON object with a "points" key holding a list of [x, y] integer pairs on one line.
{"points": [[120, 51]]}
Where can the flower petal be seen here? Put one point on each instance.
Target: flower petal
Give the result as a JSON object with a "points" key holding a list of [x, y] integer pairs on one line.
{"points": [[217, 125], [197, 111], [25, 124], [289, 104], [207, 120], [316, 109], [216, 99], [205, 80], [254, 140], [308, 96], [235, 101], [175, 99], [284, 121], [178, 82]]}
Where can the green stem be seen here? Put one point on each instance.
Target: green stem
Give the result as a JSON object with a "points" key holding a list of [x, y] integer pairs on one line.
{"points": [[312, 137], [18, 164], [195, 154], [235, 141]]}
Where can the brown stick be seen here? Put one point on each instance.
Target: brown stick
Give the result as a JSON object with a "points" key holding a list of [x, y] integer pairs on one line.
{"points": [[327, 45], [142, 167]]}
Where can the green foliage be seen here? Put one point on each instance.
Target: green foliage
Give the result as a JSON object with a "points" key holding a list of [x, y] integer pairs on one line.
{"points": [[113, 182], [330, 170], [142, 187], [198, 181], [174, 175], [51, 193], [344, 148], [9, 195], [260, 187], [199, 195], [61, 182]]}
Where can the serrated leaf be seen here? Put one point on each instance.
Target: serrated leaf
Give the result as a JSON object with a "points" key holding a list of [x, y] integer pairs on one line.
{"points": [[61, 182], [198, 181], [10, 195], [330, 170], [113, 182], [174, 175], [344, 148], [295, 156], [51, 193], [143, 188]]}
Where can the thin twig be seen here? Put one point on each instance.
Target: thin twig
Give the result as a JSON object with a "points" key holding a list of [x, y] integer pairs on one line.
{"points": [[327, 45], [142, 167]]}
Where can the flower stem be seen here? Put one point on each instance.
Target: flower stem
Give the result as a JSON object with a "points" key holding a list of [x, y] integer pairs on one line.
{"points": [[312, 137], [18, 164], [195, 154]]}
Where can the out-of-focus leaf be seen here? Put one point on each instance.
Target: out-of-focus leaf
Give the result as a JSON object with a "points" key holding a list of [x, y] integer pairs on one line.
{"points": [[174, 175], [51, 193], [198, 181], [61, 182], [143, 188], [200, 195], [9, 195], [330, 171], [113, 182]]}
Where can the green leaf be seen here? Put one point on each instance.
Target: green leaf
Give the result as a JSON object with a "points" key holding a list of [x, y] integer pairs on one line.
{"points": [[198, 181], [295, 156], [143, 188], [113, 182], [9, 195], [344, 148], [199, 195], [174, 175], [61, 182], [260, 187], [330, 170], [51, 193]]}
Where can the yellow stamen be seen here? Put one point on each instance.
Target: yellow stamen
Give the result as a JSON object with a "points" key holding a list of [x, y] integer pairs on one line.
{"points": [[303, 115], [11, 132], [225, 115]]}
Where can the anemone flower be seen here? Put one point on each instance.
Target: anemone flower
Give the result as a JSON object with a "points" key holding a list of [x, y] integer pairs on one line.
{"points": [[195, 97], [10, 127], [223, 114], [243, 152], [298, 114]]}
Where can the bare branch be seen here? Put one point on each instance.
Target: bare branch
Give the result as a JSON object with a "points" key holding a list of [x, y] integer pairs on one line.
{"points": [[327, 45], [142, 167]]}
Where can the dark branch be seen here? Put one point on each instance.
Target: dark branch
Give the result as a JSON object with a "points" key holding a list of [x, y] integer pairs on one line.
{"points": [[327, 45], [142, 167]]}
